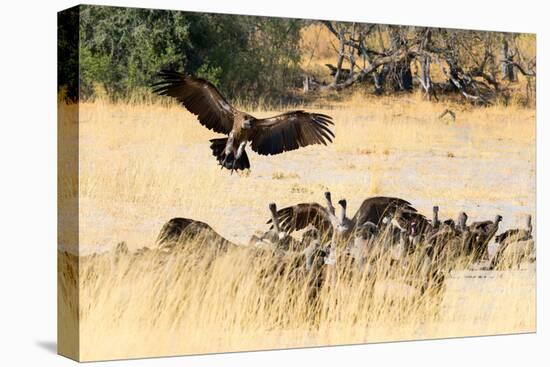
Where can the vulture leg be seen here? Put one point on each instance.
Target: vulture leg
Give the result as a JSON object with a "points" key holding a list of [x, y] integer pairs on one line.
{"points": [[229, 150], [222, 162], [240, 150], [238, 156]]}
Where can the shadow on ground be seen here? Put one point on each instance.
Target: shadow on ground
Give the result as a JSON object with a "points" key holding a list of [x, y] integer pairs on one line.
{"points": [[48, 345]]}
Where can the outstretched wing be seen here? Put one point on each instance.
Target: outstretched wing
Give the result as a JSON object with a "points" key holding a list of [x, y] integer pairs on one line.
{"points": [[290, 131], [296, 217], [200, 97]]}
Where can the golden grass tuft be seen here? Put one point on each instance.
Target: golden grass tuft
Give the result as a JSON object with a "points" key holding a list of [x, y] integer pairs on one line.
{"points": [[284, 176]]}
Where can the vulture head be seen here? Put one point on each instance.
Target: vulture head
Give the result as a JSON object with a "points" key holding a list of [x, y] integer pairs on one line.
{"points": [[343, 205], [328, 199], [247, 122], [462, 218], [275, 219], [435, 216]]}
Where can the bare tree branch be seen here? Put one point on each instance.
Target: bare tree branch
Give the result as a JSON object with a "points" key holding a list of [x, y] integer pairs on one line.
{"points": [[522, 69]]}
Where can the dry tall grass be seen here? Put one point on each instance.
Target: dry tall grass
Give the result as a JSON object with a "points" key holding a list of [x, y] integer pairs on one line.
{"points": [[194, 301], [143, 164]]}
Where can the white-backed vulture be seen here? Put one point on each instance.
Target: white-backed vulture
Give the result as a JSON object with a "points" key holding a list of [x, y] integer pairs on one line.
{"points": [[268, 136], [182, 230], [480, 234], [507, 239]]}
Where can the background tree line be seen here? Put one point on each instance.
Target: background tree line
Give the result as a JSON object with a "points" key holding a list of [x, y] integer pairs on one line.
{"points": [[121, 50], [479, 66], [250, 57]]}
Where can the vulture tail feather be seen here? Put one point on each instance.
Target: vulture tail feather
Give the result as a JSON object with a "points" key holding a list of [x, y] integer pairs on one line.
{"points": [[218, 151]]}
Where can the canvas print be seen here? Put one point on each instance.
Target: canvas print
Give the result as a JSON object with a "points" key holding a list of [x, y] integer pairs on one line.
{"points": [[235, 183]]}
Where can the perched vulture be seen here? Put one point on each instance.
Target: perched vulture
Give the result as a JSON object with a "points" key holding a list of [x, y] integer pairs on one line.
{"points": [[272, 135], [519, 237], [517, 234], [182, 230], [480, 234]]}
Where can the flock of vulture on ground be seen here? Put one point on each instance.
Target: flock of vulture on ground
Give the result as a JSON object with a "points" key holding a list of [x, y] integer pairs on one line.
{"points": [[382, 226]]}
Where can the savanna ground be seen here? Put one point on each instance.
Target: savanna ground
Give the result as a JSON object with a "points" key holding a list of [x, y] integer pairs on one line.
{"points": [[141, 165]]}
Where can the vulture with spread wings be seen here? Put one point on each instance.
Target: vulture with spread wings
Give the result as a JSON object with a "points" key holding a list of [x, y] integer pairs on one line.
{"points": [[272, 135]]}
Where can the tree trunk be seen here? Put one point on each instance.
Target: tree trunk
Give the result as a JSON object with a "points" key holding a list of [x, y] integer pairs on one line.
{"points": [[378, 78], [507, 67], [307, 84], [341, 55], [425, 77]]}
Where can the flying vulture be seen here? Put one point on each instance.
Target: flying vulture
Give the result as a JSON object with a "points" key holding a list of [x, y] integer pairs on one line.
{"points": [[272, 135]]}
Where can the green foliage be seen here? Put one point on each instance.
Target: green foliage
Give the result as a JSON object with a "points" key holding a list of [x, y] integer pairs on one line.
{"points": [[210, 73], [246, 57], [67, 53]]}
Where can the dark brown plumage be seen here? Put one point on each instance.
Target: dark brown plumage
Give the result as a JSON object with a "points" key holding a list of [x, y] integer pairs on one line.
{"points": [[371, 211], [480, 233], [511, 236], [268, 136], [517, 234], [442, 234], [182, 230], [375, 209], [276, 238], [299, 216]]}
